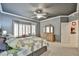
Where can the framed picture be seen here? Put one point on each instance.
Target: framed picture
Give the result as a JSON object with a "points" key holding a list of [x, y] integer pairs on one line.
{"points": [[73, 31]]}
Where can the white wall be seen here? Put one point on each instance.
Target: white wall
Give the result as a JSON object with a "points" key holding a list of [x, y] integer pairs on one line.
{"points": [[73, 38], [67, 38]]}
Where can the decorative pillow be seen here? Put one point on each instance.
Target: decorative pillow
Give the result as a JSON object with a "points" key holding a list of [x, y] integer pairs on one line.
{"points": [[12, 42]]}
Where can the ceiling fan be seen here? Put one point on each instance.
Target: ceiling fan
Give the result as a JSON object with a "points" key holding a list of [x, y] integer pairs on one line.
{"points": [[40, 11], [40, 14]]}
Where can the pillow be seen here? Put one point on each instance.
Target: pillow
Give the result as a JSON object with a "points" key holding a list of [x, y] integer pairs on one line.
{"points": [[12, 42]]}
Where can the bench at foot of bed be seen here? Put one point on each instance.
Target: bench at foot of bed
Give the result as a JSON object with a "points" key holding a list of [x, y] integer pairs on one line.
{"points": [[39, 51]]}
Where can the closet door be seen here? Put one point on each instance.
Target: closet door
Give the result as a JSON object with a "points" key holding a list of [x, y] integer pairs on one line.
{"points": [[64, 35]]}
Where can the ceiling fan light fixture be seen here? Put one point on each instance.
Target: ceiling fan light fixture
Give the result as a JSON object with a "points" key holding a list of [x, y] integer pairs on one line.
{"points": [[39, 11], [40, 16]]}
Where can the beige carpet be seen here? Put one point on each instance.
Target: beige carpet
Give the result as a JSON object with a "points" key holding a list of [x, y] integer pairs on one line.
{"points": [[55, 49]]}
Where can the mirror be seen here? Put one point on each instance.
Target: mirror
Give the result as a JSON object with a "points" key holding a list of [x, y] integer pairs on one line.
{"points": [[49, 28]]}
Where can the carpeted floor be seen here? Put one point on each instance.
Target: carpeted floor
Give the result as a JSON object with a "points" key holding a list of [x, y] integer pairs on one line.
{"points": [[55, 49]]}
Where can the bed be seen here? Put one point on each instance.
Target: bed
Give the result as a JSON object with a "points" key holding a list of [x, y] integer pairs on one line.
{"points": [[28, 46]]}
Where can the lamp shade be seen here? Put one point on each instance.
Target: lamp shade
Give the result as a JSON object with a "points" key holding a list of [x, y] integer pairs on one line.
{"points": [[4, 32]]}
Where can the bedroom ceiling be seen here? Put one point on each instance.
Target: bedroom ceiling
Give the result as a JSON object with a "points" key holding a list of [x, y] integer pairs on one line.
{"points": [[27, 9]]}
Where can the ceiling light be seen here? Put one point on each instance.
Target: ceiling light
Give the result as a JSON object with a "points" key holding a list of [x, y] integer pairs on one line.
{"points": [[40, 16], [39, 11]]}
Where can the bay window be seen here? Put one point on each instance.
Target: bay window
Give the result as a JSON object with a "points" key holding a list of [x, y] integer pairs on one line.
{"points": [[21, 29]]}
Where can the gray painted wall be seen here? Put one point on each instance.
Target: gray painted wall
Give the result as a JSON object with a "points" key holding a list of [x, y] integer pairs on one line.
{"points": [[75, 15], [0, 7], [64, 19], [6, 23], [55, 22], [77, 6]]}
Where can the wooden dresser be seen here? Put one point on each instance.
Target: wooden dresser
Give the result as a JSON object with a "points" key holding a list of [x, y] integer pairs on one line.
{"points": [[50, 37], [48, 33]]}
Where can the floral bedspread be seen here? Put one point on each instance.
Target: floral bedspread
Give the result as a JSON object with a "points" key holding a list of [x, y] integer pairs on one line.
{"points": [[24, 46]]}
